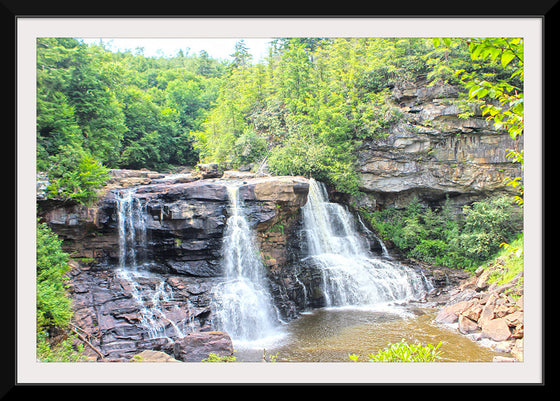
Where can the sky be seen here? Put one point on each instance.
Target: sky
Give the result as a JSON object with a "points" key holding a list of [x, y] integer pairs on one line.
{"points": [[216, 48]]}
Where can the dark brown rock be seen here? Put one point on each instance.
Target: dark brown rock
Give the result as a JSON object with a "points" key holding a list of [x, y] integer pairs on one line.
{"points": [[195, 347]]}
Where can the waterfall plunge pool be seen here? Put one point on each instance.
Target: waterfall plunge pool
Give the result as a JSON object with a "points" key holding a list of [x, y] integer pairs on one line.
{"points": [[330, 334]]}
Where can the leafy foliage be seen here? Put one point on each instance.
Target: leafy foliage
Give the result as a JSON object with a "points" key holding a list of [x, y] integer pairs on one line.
{"points": [[306, 109], [53, 307], [117, 110], [213, 357], [74, 174], [439, 238], [61, 352], [404, 352], [498, 93]]}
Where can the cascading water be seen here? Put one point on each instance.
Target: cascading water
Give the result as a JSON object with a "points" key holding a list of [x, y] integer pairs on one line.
{"points": [[351, 275], [132, 252], [132, 229], [243, 304]]}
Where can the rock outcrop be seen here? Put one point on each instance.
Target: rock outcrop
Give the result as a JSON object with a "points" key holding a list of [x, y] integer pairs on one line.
{"points": [[195, 347], [483, 310], [164, 302], [433, 152]]}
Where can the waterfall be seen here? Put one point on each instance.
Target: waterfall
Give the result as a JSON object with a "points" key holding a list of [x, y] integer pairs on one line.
{"points": [[153, 313], [384, 250], [132, 229], [351, 275], [243, 303]]}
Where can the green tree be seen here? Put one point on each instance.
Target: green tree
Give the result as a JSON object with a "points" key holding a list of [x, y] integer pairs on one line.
{"points": [[53, 305], [241, 56], [74, 175]]}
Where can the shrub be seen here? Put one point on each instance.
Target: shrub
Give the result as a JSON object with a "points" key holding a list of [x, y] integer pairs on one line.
{"points": [[62, 352], [404, 352], [213, 357], [438, 238], [53, 307], [75, 174]]}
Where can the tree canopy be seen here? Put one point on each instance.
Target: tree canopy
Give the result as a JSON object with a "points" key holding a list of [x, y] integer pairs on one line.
{"points": [[97, 109], [305, 110]]}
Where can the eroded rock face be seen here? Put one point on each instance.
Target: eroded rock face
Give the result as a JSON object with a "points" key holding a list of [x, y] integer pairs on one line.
{"points": [[121, 314], [433, 152], [163, 301], [184, 221]]}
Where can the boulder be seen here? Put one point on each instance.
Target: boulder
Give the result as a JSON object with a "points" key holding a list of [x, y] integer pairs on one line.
{"points": [[195, 347], [519, 303], [209, 170], [496, 329], [473, 312], [467, 326], [482, 281], [450, 314], [152, 356], [487, 312]]}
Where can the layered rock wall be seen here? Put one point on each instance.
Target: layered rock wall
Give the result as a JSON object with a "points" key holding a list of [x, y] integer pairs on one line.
{"points": [[179, 259], [433, 152]]}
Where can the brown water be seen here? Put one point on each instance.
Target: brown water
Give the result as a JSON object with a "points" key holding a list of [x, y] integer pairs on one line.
{"points": [[329, 335]]}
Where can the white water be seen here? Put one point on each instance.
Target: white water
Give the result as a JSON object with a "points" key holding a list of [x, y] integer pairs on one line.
{"points": [[243, 304], [153, 303], [351, 275], [132, 229]]}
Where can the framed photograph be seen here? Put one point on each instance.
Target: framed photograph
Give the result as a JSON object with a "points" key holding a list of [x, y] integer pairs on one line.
{"points": [[300, 199]]}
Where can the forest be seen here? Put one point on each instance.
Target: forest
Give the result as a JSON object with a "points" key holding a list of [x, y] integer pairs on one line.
{"points": [[305, 110]]}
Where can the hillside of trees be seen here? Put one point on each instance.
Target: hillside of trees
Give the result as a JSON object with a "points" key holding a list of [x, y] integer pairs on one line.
{"points": [[305, 110]]}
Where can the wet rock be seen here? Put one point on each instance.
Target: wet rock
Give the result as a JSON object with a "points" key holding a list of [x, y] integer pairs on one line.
{"points": [[198, 268], [195, 347], [177, 258]]}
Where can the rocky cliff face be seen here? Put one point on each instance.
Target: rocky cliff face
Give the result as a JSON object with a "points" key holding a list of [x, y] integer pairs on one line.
{"points": [[433, 152], [177, 257]]}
